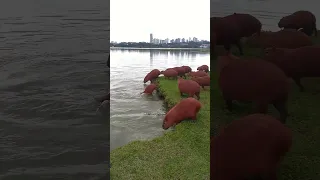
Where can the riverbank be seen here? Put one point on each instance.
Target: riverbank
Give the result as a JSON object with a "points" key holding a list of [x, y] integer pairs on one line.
{"points": [[169, 49], [183, 153]]}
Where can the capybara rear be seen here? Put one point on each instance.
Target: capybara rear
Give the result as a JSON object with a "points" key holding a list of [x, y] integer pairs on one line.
{"points": [[204, 68], [202, 81], [187, 69], [150, 88], [296, 63], [185, 109], [198, 74], [256, 80], [170, 73], [151, 76], [251, 147], [189, 87]]}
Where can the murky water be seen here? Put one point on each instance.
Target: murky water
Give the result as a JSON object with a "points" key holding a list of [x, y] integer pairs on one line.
{"points": [[52, 64], [134, 116]]}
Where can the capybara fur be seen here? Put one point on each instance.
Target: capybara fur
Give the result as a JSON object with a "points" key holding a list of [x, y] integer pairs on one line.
{"points": [[186, 109], [202, 81], [300, 19], [150, 88], [251, 147], [189, 87], [187, 69], [103, 98], [170, 73], [256, 80], [296, 63], [198, 74], [151, 76], [180, 70], [204, 68], [286, 38]]}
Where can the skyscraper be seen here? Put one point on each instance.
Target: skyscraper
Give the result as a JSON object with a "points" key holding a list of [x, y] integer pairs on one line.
{"points": [[151, 38]]}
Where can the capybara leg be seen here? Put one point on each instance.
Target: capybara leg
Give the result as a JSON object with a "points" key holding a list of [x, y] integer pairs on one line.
{"points": [[297, 81], [229, 104], [198, 95], [202, 87], [281, 106], [181, 94], [239, 47]]}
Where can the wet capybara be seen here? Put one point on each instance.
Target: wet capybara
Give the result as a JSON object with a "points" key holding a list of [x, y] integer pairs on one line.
{"points": [[181, 71], [185, 109], [103, 98], [305, 20], [170, 73], [149, 89], [286, 38], [296, 63], [202, 81], [204, 68], [187, 69], [256, 80], [251, 147], [198, 74], [152, 75], [189, 87]]}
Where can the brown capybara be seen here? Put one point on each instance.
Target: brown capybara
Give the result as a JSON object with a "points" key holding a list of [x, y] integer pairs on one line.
{"points": [[256, 80], [202, 81], [170, 73], [251, 147], [198, 74], [187, 69], [181, 71], [189, 87], [149, 89], [186, 109], [286, 38], [152, 75], [103, 98], [296, 63], [204, 68], [305, 20]]}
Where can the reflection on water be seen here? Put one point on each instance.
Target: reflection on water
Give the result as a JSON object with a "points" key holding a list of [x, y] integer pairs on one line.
{"points": [[134, 116]]}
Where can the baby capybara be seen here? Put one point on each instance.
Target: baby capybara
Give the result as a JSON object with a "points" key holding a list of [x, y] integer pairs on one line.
{"points": [[296, 63], [187, 69], [180, 70], [149, 89], [305, 20], [251, 147], [151, 76], [185, 109], [170, 73], [255, 80], [202, 81], [198, 74], [204, 68], [189, 87]]}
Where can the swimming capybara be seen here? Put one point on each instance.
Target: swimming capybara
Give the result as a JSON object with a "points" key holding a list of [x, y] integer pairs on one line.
{"points": [[256, 80], [185, 109], [204, 68], [202, 81], [198, 74], [181, 71], [305, 20], [187, 69], [151, 76], [170, 73], [149, 89], [286, 38], [296, 63], [189, 87], [251, 147]]}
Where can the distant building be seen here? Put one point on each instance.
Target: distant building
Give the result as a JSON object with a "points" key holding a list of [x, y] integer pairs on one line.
{"points": [[151, 38], [205, 46], [167, 40], [195, 39], [183, 40], [172, 41], [190, 39]]}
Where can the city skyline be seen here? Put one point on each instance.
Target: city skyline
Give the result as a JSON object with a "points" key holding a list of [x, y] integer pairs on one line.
{"points": [[175, 19]]}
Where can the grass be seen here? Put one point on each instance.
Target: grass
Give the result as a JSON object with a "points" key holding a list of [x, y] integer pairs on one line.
{"points": [[180, 154], [303, 161]]}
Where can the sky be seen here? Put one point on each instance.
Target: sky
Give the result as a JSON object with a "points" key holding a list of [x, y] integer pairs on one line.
{"points": [[134, 20]]}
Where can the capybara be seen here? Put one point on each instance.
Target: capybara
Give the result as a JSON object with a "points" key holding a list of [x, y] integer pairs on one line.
{"points": [[149, 89], [103, 98], [181, 71], [251, 147], [170, 73], [151, 76], [296, 63], [187, 69], [286, 38], [185, 109], [198, 74], [189, 87], [300, 19], [256, 80], [204, 68], [202, 81]]}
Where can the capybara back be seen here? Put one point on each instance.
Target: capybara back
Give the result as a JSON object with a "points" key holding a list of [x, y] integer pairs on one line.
{"points": [[189, 87], [202, 81]]}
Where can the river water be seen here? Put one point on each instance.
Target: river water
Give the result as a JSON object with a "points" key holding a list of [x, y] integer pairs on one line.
{"points": [[52, 64], [134, 116]]}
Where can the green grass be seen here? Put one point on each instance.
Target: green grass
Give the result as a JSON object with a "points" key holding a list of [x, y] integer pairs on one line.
{"points": [[303, 161], [180, 154]]}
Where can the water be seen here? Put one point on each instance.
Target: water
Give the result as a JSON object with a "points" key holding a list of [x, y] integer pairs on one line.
{"points": [[134, 116], [52, 64]]}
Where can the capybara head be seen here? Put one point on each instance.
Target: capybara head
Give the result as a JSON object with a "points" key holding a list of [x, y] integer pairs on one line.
{"points": [[285, 21]]}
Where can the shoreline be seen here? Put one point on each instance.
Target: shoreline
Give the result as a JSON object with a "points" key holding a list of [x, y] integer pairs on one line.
{"points": [[134, 48]]}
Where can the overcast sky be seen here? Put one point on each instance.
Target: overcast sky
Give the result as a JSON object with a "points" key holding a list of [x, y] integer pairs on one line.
{"points": [[134, 20]]}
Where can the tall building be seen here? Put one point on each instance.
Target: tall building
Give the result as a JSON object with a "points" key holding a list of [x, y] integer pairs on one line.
{"points": [[151, 38], [183, 40], [195, 39]]}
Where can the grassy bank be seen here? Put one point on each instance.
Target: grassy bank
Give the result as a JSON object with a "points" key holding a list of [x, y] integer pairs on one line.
{"points": [[180, 154], [303, 161]]}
